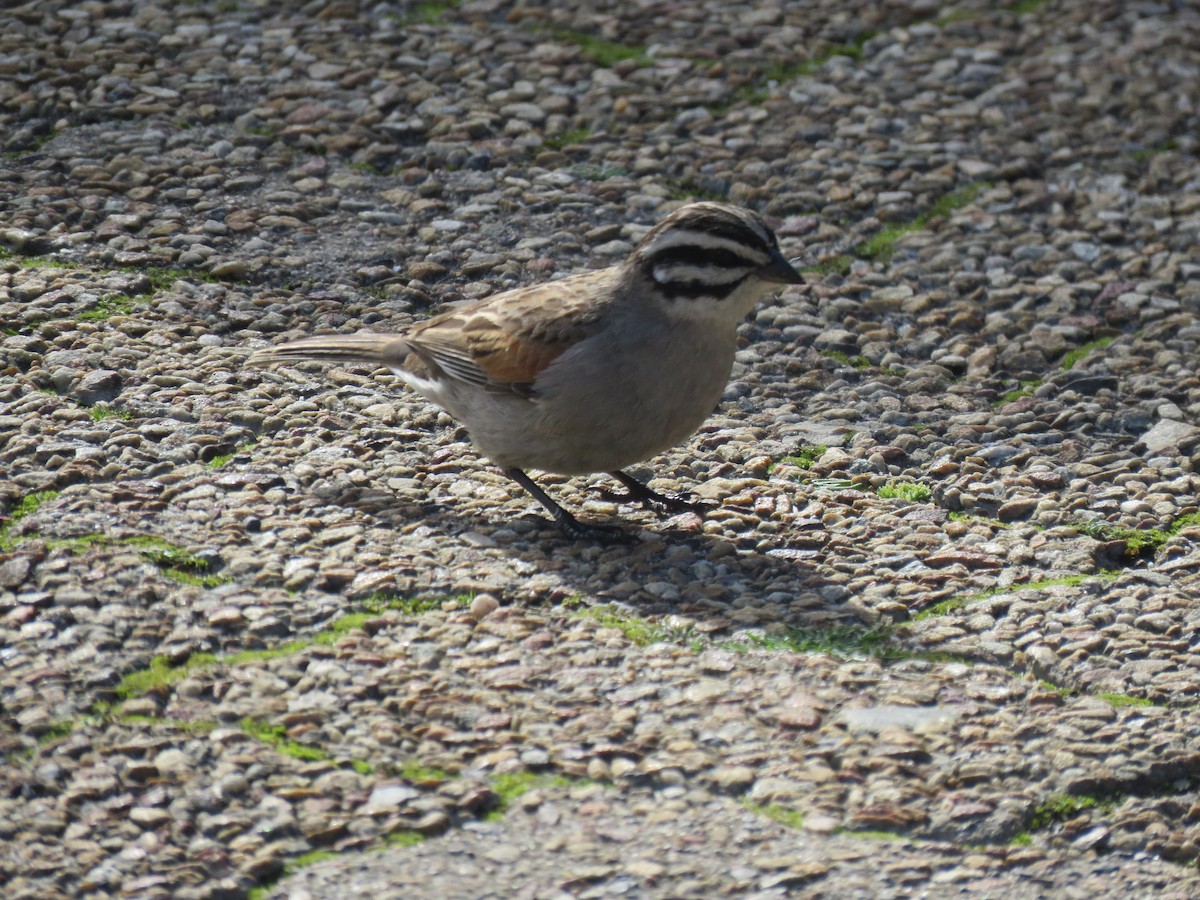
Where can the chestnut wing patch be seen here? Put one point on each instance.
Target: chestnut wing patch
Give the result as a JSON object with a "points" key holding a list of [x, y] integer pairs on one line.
{"points": [[505, 343], [490, 360]]}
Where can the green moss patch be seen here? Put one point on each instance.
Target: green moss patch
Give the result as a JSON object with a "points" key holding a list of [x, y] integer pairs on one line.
{"points": [[857, 362], [882, 245], [758, 90], [1123, 701], [114, 305], [26, 506], [404, 838], [222, 459], [512, 785], [1074, 356], [276, 737], [805, 456], [684, 189], [842, 641], [790, 818], [290, 868], [954, 604], [960, 516], [163, 673], [418, 773], [912, 491], [640, 631], [566, 138], [1025, 390], [178, 563], [600, 52], [1062, 807], [430, 12], [1139, 542], [102, 411]]}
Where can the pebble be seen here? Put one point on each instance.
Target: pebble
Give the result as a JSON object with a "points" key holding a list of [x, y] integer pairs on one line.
{"points": [[483, 605]]}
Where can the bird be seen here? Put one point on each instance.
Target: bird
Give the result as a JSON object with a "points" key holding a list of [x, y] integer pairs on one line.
{"points": [[593, 372]]}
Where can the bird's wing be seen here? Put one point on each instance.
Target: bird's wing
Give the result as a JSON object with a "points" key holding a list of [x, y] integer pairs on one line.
{"points": [[503, 343]]}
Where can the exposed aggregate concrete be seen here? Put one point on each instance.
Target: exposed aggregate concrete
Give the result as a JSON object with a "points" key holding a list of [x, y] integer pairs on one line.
{"points": [[370, 644]]}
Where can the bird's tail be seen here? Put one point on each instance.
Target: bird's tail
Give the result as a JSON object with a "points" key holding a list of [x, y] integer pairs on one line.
{"points": [[365, 347]]}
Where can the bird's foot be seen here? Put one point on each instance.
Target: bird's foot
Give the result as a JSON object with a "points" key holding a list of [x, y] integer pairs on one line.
{"points": [[572, 528], [663, 504]]}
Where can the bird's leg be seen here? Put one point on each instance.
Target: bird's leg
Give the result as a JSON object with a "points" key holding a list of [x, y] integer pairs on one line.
{"points": [[663, 504], [567, 523]]}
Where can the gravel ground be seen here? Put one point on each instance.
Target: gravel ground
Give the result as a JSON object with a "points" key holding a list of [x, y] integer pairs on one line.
{"points": [[285, 633]]}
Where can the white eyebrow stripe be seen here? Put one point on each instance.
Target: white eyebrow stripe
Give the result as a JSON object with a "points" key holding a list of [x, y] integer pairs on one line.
{"points": [[679, 237], [687, 273]]}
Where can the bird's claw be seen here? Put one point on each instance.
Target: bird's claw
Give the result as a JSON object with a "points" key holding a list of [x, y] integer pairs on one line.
{"points": [[662, 504], [572, 528]]}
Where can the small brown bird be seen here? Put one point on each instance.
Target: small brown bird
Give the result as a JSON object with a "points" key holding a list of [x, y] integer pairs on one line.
{"points": [[594, 372]]}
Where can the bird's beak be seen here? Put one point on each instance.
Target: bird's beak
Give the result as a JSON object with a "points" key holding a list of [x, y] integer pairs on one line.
{"points": [[779, 271]]}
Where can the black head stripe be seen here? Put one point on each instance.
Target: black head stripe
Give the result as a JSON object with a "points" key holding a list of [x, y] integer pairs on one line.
{"points": [[701, 257], [730, 225], [692, 290], [706, 250]]}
